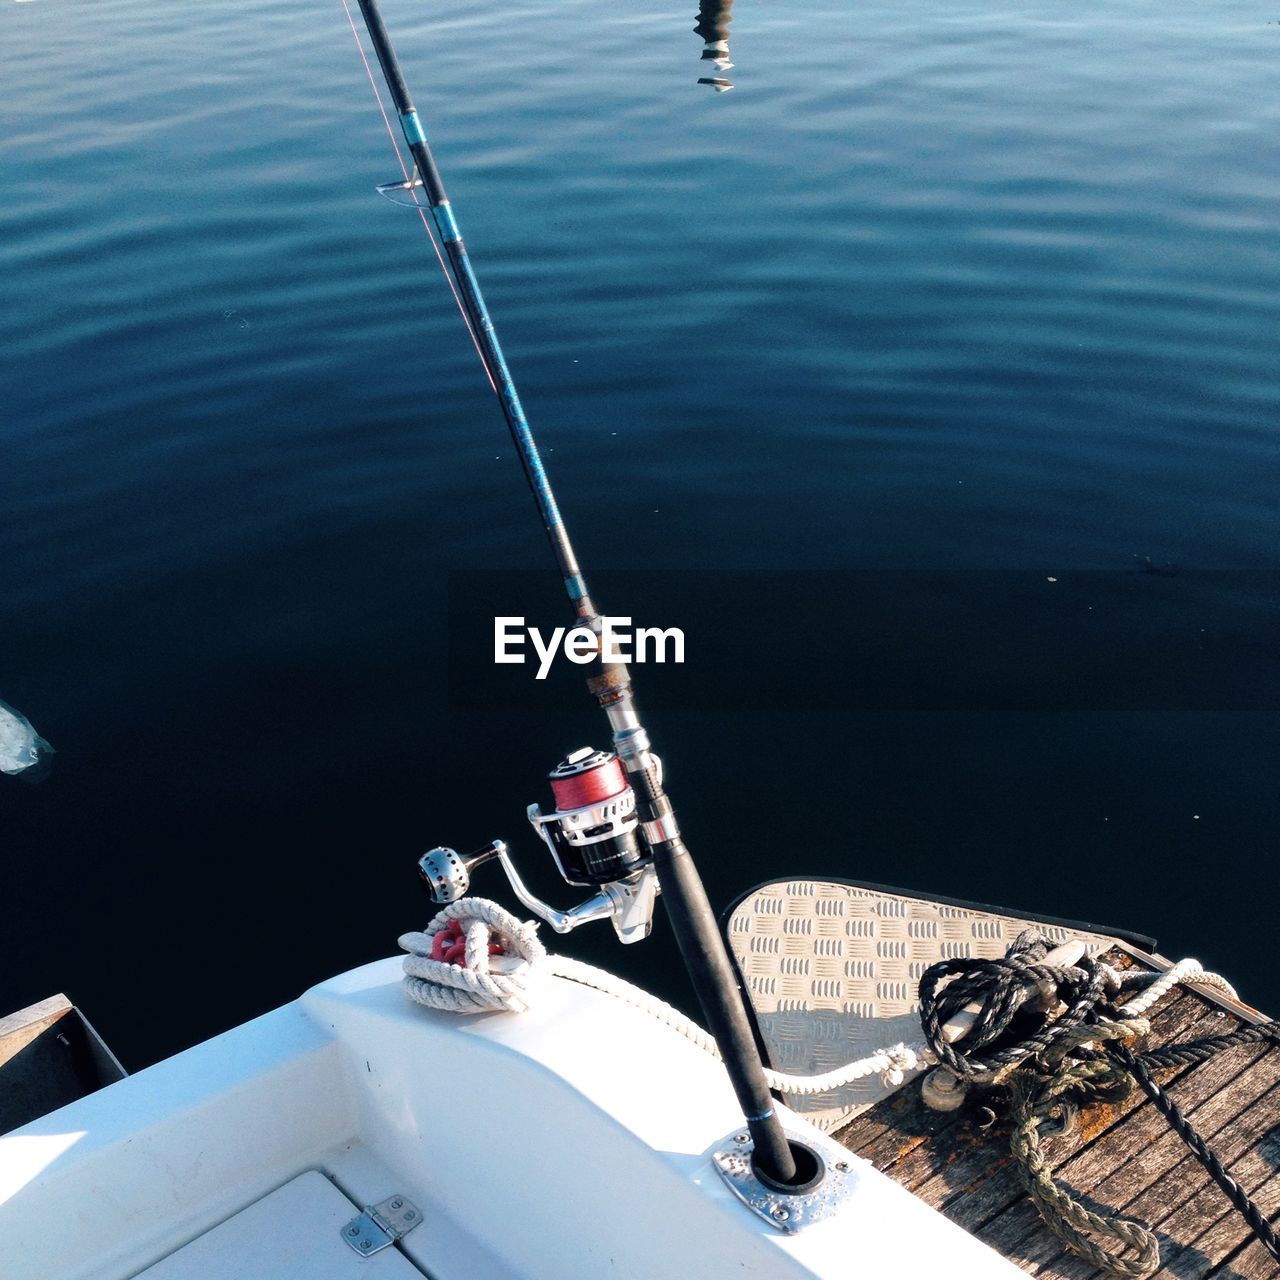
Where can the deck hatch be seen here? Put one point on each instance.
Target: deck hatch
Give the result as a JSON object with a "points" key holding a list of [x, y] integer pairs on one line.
{"points": [[290, 1234]]}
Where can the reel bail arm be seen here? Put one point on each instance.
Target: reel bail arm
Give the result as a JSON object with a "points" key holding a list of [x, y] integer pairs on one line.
{"points": [[627, 904]]}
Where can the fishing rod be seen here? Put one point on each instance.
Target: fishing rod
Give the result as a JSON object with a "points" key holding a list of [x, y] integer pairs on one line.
{"points": [[620, 865]]}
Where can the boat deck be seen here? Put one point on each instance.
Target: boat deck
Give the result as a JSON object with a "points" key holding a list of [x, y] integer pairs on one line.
{"points": [[1122, 1157]]}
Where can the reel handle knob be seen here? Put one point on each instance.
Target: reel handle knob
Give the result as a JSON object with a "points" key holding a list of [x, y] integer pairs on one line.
{"points": [[447, 873]]}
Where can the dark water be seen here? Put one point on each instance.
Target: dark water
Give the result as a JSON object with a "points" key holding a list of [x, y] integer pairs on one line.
{"points": [[965, 289]]}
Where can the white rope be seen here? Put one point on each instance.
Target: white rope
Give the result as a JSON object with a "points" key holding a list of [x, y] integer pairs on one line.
{"points": [[588, 975], [892, 1065], [487, 984], [484, 983], [894, 1062], [1188, 971]]}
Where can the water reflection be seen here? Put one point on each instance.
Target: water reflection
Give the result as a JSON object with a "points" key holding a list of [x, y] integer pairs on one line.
{"points": [[713, 27]]}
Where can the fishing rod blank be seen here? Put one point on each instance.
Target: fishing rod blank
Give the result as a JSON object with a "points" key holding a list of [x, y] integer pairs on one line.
{"points": [[688, 908], [477, 313]]}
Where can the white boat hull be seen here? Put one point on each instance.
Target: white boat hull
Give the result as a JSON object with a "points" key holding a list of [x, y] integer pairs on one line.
{"points": [[567, 1143]]}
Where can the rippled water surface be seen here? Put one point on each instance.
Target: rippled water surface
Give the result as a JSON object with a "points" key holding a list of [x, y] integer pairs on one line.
{"points": [[973, 287]]}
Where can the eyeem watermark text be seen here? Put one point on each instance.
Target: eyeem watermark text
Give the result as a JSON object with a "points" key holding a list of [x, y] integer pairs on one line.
{"points": [[616, 641]]}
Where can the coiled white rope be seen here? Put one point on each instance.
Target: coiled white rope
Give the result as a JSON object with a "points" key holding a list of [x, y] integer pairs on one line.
{"points": [[486, 983]]}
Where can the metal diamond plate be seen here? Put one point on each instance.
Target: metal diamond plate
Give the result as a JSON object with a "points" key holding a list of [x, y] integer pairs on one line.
{"points": [[832, 972]]}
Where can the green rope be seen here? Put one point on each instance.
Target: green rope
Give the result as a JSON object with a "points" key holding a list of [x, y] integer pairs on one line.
{"points": [[1078, 1077], [1081, 1056]]}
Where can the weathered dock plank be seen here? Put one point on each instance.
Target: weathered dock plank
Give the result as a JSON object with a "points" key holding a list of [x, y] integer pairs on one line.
{"points": [[948, 1161], [1103, 1126], [1121, 1157], [1143, 1169]]}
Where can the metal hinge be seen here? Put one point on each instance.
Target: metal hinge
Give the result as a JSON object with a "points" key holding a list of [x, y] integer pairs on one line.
{"points": [[381, 1225]]}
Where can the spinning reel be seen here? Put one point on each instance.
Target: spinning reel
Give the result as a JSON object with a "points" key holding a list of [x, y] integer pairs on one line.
{"points": [[593, 834]]}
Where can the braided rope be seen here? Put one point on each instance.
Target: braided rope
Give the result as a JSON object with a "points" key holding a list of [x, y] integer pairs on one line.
{"points": [[1185, 971], [1191, 1053], [1234, 1192], [1002, 988], [1059, 1068], [1038, 1098], [484, 983], [1090, 1076]]}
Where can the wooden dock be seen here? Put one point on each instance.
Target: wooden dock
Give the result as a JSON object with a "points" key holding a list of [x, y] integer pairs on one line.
{"points": [[1122, 1157], [50, 1055], [832, 971]]}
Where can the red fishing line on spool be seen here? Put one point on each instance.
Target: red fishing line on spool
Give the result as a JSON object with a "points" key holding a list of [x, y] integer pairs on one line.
{"points": [[591, 786]]}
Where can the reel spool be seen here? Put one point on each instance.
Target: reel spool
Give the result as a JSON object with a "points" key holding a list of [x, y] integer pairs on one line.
{"points": [[592, 833]]}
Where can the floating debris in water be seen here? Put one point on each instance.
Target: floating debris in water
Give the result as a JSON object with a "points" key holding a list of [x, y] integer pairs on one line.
{"points": [[1147, 565], [21, 747]]}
